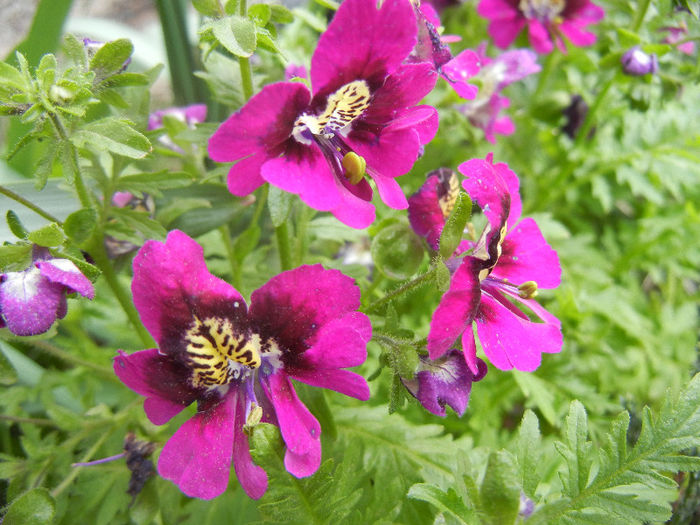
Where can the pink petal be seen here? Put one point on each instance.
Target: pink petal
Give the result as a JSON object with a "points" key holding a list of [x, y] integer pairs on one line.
{"points": [[526, 256], [163, 381], [461, 68], [295, 304], [385, 37], [172, 285], [340, 343], [509, 341], [66, 273], [424, 212], [574, 31], [469, 349], [354, 212], [244, 176], [343, 381], [422, 119], [391, 154], [539, 37], [262, 125], [306, 174], [197, 458], [300, 430], [457, 308]]}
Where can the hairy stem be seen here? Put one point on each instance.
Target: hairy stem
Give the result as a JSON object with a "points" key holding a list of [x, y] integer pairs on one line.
{"points": [[401, 290], [24, 202]]}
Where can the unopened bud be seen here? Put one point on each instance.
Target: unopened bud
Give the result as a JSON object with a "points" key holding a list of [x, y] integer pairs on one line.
{"points": [[354, 166], [637, 63], [527, 290], [60, 95]]}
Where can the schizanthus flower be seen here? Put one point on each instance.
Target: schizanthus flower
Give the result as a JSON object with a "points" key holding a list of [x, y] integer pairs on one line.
{"points": [[230, 359], [190, 115], [675, 35], [510, 260], [547, 21], [637, 63], [359, 119], [494, 75], [31, 300], [445, 381]]}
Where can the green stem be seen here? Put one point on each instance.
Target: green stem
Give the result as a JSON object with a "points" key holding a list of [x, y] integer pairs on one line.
{"points": [[76, 470], [75, 162], [641, 13], [235, 266], [305, 214], [401, 290], [67, 357], [551, 60], [31, 420], [243, 62], [588, 121], [99, 254], [284, 246], [260, 205], [24, 202]]}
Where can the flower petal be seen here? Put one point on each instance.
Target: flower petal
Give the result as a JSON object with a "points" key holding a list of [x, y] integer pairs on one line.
{"points": [[197, 458], [458, 70], [527, 256], [509, 341], [172, 285], [539, 37], [292, 306], [340, 343], [343, 381], [300, 430], [385, 37], [162, 380], [29, 302], [457, 308], [66, 273]]}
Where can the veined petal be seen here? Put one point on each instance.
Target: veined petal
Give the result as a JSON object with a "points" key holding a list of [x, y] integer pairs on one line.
{"points": [[343, 381], [66, 273], [262, 125], [197, 458], [300, 429], [527, 256], [244, 176], [385, 37], [509, 340], [340, 343], [163, 381], [172, 286], [295, 304], [461, 68], [391, 154], [457, 308]]}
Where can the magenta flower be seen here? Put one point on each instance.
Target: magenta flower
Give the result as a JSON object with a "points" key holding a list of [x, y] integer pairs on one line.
{"points": [[190, 115], [32, 300], [494, 75], [547, 21], [676, 34], [360, 118], [230, 359], [445, 381], [510, 260]]}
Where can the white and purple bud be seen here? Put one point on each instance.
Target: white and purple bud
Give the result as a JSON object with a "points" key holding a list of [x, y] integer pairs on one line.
{"points": [[637, 63]]}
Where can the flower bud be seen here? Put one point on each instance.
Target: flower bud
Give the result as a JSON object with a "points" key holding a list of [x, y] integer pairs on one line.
{"points": [[637, 63]]}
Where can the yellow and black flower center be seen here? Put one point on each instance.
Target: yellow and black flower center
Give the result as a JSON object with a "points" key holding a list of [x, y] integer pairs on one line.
{"points": [[543, 10], [218, 353]]}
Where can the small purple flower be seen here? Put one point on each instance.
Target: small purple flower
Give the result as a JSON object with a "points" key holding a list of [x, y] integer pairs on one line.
{"points": [[445, 381], [637, 63], [190, 115], [510, 260], [360, 118], [547, 21], [295, 71], [230, 359], [32, 300], [494, 75]]}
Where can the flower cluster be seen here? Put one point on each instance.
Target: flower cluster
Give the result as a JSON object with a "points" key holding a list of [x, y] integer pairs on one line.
{"points": [[230, 358], [32, 300]]}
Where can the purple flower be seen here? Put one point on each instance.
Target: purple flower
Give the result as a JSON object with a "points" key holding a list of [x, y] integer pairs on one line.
{"points": [[547, 21], [494, 75], [190, 115], [360, 118], [445, 381], [295, 71], [32, 300], [637, 63], [510, 260], [677, 34], [230, 359]]}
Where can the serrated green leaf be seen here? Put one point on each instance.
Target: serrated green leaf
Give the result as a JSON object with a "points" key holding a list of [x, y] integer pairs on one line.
{"points": [[15, 224], [279, 203], [49, 235], [260, 14], [12, 79], [442, 276], [15, 258], [453, 230], [236, 34], [46, 71], [74, 48], [44, 166], [80, 225], [139, 221], [540, 392], [153, 182], [500, 490], [529, 453], [114, 135], [35, 507], [446, 502], [207, 7], [125, 80], [279, 14]]}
